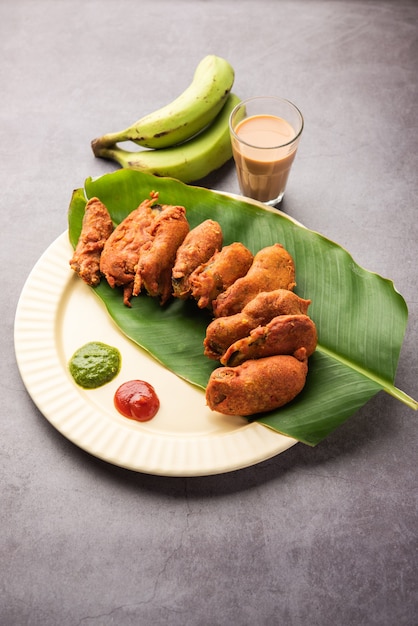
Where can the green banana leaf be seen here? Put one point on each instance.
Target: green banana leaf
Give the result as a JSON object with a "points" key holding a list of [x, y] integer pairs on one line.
{"points": [[360, 317]]}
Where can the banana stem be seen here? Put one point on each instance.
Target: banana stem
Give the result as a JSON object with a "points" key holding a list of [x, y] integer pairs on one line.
{"points": [[109, 140], [111, 152]]}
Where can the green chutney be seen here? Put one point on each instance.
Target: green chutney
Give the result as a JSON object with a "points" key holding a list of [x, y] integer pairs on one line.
{"points": [[94, 364]]}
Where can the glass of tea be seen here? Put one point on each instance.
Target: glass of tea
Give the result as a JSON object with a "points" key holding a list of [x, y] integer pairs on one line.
{"points": [[265, 134]]}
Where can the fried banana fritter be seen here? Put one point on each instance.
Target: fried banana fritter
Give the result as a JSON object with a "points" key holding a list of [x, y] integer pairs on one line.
{"points": [[285, 334], [224, 331], [157, 256], [96, 228], [198, 247], [272, 268], [256, 386], [121, 252], [221, 271]]}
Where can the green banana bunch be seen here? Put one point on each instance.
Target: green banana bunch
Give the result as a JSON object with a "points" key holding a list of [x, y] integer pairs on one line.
{"points": [[186, 116], [188, 161]]}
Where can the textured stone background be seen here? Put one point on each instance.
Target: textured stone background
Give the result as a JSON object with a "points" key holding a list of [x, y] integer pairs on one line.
{"points": [[313, 537]]}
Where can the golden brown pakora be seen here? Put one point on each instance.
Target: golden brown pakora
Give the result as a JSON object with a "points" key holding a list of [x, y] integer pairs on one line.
{"points": [[198, 247], [96, 228], [120, 254], [285, 334], [272, 268], [157, 256], [256, 386], [221, 271], [224, 331]]}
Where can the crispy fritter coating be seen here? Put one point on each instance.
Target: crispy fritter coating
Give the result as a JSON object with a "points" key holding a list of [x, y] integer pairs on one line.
{"points": [[224, 331], [256, 386], [158, 255], [198, 247], [121, 252], [272, 268], [221, 271], [96, 228], [285, 334]]}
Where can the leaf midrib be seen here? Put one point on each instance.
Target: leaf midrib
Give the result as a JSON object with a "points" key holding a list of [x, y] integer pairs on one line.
{"points": [[385, 384]]}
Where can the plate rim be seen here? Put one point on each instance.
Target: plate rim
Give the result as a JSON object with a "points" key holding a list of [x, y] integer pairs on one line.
{"points": [[35, 324]]}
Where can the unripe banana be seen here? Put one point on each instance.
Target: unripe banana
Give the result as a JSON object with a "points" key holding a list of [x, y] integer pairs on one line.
{"points": [[187, 115], [189, 161]]}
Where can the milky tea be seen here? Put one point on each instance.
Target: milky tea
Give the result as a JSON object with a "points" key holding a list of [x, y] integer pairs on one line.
{"points": [[264, 146]]}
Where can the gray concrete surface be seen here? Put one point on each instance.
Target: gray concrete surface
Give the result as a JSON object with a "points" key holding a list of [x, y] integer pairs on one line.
{"points": [[313, 537]]}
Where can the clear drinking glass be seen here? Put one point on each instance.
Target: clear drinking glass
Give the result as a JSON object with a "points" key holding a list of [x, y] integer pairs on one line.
{"points": [[265, 134]]}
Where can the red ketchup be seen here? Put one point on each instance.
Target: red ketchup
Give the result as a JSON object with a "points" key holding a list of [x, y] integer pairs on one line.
{"points": [[137, 400]]}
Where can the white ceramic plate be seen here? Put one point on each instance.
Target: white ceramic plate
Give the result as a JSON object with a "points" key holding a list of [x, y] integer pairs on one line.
{"points": [[57, 313]]}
